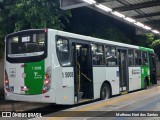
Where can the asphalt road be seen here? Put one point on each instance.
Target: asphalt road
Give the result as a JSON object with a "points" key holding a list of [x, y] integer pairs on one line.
{"points": [[149, 107], [131, 106]]}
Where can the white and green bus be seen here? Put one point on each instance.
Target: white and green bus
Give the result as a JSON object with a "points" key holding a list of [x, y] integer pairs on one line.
{"points": [[52, 66]]}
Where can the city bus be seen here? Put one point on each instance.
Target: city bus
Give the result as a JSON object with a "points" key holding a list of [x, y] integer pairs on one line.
{"points": [[52, 66]]}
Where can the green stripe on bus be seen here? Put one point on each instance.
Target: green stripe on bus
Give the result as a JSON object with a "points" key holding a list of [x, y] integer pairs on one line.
{"points": [[34, 77], [145, 69], [144, 74], [146, 49]]}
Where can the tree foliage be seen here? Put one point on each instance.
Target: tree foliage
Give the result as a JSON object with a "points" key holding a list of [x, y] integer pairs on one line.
{"points": [[150, 38], [156, 46], [112, 34], [88, 22], [25, 14], [144, 40], [17, 15]]}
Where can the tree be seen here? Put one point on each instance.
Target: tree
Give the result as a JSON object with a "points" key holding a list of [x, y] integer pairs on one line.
{"points": [[145, 40], [150, 38], [156, 46], [110, 33], [88, 22], [17, 15]]}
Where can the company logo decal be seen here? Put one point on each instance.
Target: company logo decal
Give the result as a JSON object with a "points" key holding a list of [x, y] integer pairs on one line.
{"points": [[135, 71], [24, 75]]}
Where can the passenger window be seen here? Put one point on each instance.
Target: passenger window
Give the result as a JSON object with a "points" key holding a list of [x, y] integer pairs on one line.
{"points": [[63, 52], [98, 54], [131, 57], [145, 58], [111, 58], [138, 59]]}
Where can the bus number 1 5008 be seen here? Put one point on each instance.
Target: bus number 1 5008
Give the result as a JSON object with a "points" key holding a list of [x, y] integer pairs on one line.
{"points": [[67, 74]]}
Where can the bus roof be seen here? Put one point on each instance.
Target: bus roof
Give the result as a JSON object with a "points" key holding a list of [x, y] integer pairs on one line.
{"points": [[88, 38]]}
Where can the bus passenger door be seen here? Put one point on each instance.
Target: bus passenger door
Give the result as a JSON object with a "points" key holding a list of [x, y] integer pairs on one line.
{"points": [[152, 64], [123, 70], [83, 77]]}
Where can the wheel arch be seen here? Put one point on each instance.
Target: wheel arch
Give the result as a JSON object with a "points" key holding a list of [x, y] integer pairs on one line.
{"points": [[107, 82]]}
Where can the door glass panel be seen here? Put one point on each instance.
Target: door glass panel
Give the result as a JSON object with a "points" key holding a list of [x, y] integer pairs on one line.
{"points": [[123, 68]]}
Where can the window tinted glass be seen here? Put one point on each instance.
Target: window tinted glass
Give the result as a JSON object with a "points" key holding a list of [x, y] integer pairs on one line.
{"points": [[111, 58], [63, 52], [145, 58], [98, 54], [131, 57], [26, 45], [138, 59]]}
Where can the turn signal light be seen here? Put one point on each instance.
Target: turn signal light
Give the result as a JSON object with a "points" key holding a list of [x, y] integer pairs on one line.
{"points": [[47, 75]]}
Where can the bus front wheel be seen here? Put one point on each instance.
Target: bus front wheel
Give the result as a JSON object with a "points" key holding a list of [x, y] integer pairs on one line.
{"points": [[105, 91]]}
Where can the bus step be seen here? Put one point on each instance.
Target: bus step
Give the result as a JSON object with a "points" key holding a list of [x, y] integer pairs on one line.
{"points": [[123, 92], [84, 100]]}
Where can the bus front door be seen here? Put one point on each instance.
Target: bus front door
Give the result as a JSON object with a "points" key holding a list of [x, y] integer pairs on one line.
{"points": [[153, 71], [82, 72], [123, 71]]}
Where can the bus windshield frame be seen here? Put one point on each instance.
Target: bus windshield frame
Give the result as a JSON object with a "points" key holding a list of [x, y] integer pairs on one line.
{"points": [[28, 46]]}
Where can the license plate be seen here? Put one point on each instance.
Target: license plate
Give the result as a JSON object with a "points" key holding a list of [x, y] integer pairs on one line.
{"points": [[24, 88]]}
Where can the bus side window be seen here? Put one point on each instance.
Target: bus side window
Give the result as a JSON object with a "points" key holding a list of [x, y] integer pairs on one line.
{"points": [[138, 59], [111, 58], [98, 54], [144, 58], [131, 57], [63, 52]]}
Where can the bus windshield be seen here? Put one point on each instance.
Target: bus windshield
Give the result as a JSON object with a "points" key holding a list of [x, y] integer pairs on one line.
{"points": [[26, 46]]}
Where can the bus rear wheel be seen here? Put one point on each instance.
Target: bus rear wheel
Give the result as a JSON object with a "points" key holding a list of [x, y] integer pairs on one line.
{"points": [[105, 91]]}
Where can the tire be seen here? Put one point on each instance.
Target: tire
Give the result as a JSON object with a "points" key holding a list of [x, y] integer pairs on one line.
{"points": [[105, 92], [145, 84]]}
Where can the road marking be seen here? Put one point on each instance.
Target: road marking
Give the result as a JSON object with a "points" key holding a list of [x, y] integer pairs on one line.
{"points": [[100, 104], [130, 103], [116, 100]]}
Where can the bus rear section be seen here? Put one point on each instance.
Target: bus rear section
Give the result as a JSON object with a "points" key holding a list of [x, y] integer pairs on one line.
{"points": [[27, 76]]}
